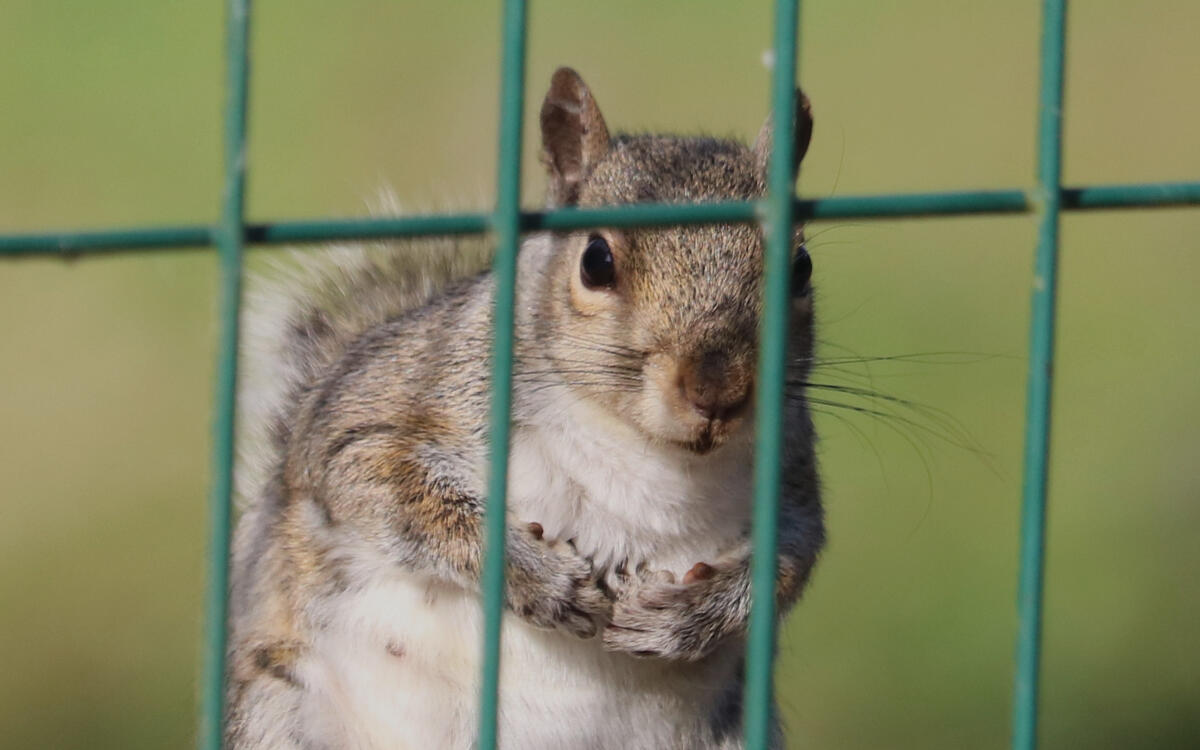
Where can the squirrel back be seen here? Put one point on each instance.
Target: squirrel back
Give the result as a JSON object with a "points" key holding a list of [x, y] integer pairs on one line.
{"points": [[302, 313]]}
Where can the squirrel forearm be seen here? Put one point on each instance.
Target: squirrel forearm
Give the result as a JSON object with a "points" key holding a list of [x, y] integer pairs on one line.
{"points": [[435, 524]]}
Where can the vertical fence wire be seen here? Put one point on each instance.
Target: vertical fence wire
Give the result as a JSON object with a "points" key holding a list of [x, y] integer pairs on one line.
{"points": [[229, 238], [507, 225], [1041, 360], [760, 648]]}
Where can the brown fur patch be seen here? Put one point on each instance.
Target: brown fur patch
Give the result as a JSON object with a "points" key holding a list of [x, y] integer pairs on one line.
{"points": [[278, 660]]}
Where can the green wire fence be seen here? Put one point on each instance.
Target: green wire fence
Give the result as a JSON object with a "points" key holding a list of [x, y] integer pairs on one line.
{"points": [[776, 213]]}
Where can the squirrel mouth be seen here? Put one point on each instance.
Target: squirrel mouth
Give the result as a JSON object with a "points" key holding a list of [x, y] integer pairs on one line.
{"points": [[703, 444]]}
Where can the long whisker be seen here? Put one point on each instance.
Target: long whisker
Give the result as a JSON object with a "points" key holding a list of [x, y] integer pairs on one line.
{"points": [[892, 419], [941, 417], [608, 347], [592, 387], [591, 369], [885, 419], [859, 435], [924, 358]]}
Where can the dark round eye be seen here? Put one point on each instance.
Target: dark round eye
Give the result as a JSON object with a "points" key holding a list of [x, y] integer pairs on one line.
{"points": [[596, 268], [801, 272]]}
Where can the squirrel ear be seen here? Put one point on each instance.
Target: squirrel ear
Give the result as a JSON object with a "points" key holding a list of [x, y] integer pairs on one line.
{"points": [[804, 127], [574, 136]]}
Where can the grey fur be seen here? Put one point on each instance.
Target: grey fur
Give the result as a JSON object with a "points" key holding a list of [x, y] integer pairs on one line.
{"points": [[378, 426]]}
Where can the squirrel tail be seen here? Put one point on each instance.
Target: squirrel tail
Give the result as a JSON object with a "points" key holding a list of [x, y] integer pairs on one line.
{"points": [[305, 309]]}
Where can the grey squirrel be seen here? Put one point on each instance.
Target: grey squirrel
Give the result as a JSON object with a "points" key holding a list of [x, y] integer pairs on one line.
{"points": [[355, 617]]}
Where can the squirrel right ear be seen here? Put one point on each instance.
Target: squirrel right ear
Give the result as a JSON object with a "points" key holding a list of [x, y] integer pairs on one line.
{"points": [[574, 136], [804, 128]]}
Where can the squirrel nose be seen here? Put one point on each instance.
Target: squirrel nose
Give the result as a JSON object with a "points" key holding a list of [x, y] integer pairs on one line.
{"points": [[714, 388]]}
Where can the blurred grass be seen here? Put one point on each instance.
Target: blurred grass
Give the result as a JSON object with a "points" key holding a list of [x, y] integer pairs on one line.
{"points": [[111, 117]]}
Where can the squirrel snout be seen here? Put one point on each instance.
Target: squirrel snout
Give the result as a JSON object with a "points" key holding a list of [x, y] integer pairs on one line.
{"points": [[715, 387]]}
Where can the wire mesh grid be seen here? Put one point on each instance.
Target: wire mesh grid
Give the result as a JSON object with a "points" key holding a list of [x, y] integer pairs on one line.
{"points": [[776, 213]]}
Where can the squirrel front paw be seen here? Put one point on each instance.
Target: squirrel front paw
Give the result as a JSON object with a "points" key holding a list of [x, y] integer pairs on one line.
{"points": [[551, 585], [654, 616]]}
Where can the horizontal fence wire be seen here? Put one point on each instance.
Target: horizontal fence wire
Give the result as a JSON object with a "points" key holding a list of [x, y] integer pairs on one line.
{"points": [[777, 213], [884, 206]]}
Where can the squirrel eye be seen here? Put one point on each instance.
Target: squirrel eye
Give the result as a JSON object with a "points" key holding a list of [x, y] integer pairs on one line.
{"points": [[801, 272], [597, 268]]}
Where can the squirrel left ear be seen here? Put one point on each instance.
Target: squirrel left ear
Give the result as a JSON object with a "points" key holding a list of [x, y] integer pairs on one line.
{"points": [[804, 127], [574, 136]]}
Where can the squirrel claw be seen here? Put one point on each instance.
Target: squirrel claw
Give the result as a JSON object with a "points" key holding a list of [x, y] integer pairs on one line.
{"points": [[701, 571], [551, 586], [684, 621]]}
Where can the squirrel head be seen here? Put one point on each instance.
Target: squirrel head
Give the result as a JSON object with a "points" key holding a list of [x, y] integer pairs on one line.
{"points": [[658, 326]]}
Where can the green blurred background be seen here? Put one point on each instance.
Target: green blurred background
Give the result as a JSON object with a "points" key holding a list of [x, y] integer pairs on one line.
{"points": [[111, 117]]}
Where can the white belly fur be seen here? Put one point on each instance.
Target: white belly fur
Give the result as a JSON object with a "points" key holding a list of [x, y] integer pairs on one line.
{"points": [[619, 504], [400, 669]]}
